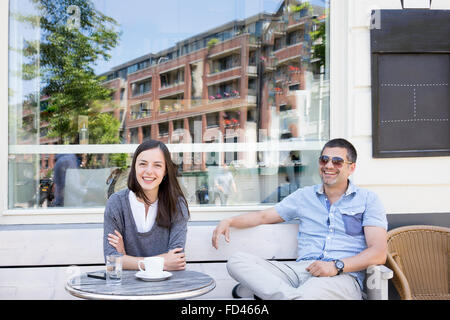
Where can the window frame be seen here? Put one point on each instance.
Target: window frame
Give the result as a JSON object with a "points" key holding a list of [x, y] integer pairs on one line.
{"points": [[338, 122]]}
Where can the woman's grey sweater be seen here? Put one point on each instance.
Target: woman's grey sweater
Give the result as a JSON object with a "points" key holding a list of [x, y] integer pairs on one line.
{"points": [[158, 240]]}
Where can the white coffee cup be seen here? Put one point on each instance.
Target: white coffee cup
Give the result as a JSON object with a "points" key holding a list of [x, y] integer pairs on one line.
{"points": [[153, 266]]}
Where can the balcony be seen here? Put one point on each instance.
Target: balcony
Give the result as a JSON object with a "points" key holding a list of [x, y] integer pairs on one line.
{"points": [[297, 19], [251, 98], [224, 76], [278, 29], [252, 71], [135, 115], [171, 105], [141, 88], [140, 110], [224, 95], [171, 79], [270, 63], [223, 70], [291, 52]]}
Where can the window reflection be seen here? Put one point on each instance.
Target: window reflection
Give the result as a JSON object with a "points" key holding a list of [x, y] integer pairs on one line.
{"points": [[244, 104]]}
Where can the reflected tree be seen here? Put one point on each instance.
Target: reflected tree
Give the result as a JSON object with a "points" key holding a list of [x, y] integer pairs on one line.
{"points": [[74, 38], [318, 38]]}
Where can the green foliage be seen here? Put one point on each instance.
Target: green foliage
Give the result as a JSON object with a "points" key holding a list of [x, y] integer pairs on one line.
{"points": [[299, 7], [64, 59], [118, 160], [318, 38], [212, 42], [103, 129]]}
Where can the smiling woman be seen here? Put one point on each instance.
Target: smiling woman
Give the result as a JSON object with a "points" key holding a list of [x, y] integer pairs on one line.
{"points": [[154, 176], [149, 218], [150, 171]]}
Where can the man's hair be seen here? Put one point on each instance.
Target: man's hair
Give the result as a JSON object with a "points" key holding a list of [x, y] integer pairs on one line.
{"points": [[342, 143]]}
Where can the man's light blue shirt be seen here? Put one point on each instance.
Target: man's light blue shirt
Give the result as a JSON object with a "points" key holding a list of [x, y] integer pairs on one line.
{"points": [[332, 231]]}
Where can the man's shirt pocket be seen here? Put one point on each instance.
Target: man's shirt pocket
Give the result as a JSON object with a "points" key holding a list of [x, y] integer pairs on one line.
{"points": [[353, 220]]}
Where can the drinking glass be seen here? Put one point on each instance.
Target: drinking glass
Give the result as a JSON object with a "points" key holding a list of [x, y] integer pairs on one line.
{"points": [[113, 269]]}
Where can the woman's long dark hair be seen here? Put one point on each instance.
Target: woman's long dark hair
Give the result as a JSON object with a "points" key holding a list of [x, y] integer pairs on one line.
{"points": [[169, 193]]}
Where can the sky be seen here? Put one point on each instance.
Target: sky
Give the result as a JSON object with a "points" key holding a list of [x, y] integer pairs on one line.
{"points": [[149, 26]]}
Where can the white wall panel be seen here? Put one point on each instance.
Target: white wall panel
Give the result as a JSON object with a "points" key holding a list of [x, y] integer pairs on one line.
{"points": [[440, 4], [67, 246], [360, 10], [360, 57], [405, 185], [361, 113]]}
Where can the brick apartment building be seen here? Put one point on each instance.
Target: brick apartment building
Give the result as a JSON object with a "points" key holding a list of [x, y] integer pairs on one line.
{"points": [[233, 83], [223, 85]]}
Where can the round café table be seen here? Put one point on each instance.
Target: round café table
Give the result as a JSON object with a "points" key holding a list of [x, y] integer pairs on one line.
{"points": [[181, 285]]}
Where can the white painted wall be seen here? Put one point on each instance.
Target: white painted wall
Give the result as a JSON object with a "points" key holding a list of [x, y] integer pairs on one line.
{"points": [[83, 244], [405, 185]]}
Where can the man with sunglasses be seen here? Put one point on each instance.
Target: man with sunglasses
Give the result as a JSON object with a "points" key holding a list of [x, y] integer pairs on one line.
{"points": [[342, 231]]}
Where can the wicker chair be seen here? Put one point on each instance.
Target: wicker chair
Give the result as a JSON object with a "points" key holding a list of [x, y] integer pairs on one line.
{"points": [[419, 257]]}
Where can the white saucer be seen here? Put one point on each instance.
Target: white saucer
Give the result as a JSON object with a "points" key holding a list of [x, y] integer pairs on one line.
{"points": [[146, 277]]}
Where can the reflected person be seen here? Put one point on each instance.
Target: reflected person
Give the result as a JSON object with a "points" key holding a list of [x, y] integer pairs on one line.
{"points": [[224, 185], [149, 218], [342, 231], [63, 162]]}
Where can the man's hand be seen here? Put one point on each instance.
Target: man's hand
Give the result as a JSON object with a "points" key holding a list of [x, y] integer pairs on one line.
{"points": [[222, 228], [322, 269]]}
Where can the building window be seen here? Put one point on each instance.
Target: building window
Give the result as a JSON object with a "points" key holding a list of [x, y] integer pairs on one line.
{"points": [[224, 90], [225, 63], [172, 78], [146, 132], [69, 103], [293, 38], [141, 87], [140, 111], [163, 128], [173, 103], [279, 43], [212, 120]]}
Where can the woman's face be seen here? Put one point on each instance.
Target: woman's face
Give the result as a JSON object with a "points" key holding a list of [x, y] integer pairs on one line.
{"points": [[150, 170]]}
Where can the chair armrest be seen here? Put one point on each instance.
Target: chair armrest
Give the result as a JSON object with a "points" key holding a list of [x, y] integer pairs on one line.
{"points": [[400, 282], [377, 277]]}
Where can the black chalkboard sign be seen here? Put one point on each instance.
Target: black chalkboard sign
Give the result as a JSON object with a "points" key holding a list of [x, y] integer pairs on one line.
{"points": [[410, 83]]}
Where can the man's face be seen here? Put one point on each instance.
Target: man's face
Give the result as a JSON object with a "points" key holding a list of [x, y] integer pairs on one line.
{"points": [[335, 174]]}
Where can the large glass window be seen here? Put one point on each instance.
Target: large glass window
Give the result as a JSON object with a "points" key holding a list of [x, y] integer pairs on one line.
{"points": [[239, 93]]}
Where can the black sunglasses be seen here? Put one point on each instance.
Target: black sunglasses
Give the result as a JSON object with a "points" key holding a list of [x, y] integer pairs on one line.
{"points": [[336, 161]]}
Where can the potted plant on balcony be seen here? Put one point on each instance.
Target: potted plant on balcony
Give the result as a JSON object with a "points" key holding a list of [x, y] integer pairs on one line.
{"points": [[218, 96], [235, 93], [211, 43], [296, 8], [294, 69]]}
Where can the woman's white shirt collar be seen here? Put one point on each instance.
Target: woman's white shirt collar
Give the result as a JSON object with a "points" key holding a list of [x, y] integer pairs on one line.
{"points": [[143, 224]]}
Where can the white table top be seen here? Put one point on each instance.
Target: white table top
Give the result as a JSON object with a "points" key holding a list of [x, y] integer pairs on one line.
{"points": [[181, 285]]}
